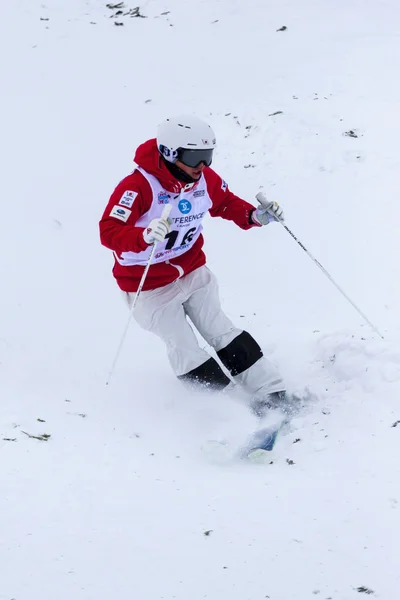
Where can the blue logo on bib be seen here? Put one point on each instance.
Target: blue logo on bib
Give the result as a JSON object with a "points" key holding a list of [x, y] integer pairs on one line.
{"points": [[163, 197], [185, 206]]}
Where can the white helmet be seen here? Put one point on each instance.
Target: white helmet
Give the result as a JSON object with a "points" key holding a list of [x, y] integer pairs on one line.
{"points": [[177, 134]]}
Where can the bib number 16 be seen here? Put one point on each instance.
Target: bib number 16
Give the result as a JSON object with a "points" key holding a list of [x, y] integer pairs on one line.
{"points": [[172, 238]]}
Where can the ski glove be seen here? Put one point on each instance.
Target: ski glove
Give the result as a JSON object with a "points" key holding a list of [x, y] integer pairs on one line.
{"points": [[267, 211], [156, 231]]}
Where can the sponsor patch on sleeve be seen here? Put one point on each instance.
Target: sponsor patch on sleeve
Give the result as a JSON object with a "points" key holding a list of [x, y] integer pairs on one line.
{"points": [[128, 198], [120, 213], [224, 185]]}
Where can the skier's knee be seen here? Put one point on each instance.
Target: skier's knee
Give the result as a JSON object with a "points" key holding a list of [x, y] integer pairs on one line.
{"points": [[241, 354], [209, 374]]}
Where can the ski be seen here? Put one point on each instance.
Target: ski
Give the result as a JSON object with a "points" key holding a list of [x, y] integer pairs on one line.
{"points": [[262, 442]]}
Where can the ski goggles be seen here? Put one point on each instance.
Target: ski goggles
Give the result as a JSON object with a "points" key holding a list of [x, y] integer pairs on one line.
{"points": [[192, 158]]}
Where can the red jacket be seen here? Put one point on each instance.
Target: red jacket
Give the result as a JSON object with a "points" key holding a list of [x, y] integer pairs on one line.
{"points": [[122, 236]]}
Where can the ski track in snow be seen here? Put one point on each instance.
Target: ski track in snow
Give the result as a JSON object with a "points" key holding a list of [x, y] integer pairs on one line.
{"points": [[121, 500]]}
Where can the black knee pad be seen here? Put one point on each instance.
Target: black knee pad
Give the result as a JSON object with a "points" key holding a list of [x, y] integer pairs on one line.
{"points": [[209, 375], [240, 354]]}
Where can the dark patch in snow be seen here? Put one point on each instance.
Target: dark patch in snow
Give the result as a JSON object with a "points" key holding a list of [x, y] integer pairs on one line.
{"points": [[43, 437], [364, 590], [122, 11], [283, 28], [396, 423], [278, 112], [207, 533], [351, 133], [135, 12]]}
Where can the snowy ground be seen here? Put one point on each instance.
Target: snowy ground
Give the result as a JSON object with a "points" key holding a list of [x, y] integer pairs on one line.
{"points": [[120, 501]]}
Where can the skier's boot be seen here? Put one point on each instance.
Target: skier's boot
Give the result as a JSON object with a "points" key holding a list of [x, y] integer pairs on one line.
{"points": [[261, 406], [289, 404]]}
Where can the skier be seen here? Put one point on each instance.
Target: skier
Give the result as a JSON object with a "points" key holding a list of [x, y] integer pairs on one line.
{"points": [[175, 169]]}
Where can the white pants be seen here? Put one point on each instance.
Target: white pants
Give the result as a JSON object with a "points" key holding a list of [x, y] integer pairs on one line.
{"points": [[164, 311]]}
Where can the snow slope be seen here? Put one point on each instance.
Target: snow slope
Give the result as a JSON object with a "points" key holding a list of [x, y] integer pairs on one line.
{"points": [[120, 501]]}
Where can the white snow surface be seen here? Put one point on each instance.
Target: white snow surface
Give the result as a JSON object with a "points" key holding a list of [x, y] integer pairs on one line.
{"points": [[118, 501]]}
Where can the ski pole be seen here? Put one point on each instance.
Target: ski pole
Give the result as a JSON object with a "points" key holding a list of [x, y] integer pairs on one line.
{"points": [[264, 202], [164, 215]]}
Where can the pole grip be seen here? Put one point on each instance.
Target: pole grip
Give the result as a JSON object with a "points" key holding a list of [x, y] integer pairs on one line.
{"points": [[262, 199], [166, 211]]}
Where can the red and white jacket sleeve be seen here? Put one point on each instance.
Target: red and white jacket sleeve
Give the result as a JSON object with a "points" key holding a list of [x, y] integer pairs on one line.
{"points": [[226, 204], [129, 201]]}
